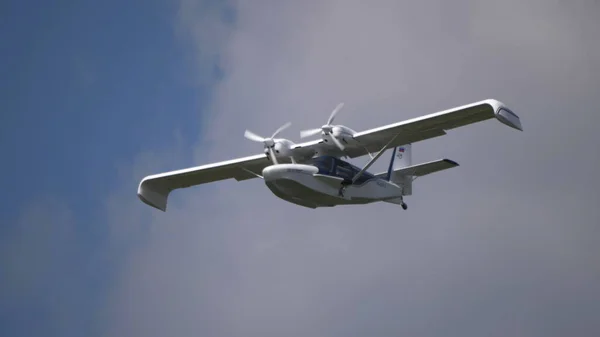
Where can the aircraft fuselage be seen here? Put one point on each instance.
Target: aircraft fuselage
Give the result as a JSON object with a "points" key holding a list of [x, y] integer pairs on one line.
{"points": [[326, 182]]}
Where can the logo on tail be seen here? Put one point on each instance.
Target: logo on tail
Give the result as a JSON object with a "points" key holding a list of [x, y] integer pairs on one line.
{"points": [[400, 152]]}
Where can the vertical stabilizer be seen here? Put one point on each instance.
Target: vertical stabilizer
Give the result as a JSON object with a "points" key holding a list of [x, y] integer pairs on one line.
{"points": [[402, 158]]}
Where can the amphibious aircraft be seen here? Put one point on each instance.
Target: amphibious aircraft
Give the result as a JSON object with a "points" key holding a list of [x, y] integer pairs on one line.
{"points": [[312, 174]]}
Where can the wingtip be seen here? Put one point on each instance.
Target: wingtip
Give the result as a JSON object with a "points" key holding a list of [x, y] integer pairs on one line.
{"points": [[152, 196], [504, 114], [451, 162], [147, 202]]}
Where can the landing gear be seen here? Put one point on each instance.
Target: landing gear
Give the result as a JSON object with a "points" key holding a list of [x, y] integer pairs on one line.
{"points": [[403, 204], [343, 187]]}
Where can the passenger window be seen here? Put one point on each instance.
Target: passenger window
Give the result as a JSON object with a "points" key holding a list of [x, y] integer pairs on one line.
{"points": [[344, 171], [324, 165]]}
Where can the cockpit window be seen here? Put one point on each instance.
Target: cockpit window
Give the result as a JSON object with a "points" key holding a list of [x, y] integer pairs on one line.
{"points": [[336, 167], [344, 171], [324, 164]]}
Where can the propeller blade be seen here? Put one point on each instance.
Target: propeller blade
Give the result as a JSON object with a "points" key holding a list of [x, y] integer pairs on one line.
{"points": [[308, 133], [281, 128], [252, 136], [334, 112], [338, 143], [273, 158]]}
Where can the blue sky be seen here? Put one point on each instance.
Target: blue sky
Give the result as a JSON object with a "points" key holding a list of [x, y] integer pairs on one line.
{"points": [[86, 87]]}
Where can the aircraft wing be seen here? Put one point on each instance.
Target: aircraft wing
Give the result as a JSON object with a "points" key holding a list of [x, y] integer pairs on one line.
{"points": [[154, 190], [433, 125]]}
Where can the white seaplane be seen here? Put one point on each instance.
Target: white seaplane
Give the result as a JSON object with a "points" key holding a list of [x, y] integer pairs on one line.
{"points": [[311, 174]]}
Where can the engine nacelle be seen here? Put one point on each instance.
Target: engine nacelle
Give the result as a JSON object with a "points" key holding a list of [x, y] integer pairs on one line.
{"points": [[342, 133], [282, 148]]}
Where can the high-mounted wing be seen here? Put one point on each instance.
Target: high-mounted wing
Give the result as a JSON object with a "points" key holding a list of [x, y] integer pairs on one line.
{"points": [[436, 124], [154, 190], [422, 128]]}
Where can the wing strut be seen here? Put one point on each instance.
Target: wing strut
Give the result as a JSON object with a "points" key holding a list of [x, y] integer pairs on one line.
{"points": [[373, 159], [252, 173]]}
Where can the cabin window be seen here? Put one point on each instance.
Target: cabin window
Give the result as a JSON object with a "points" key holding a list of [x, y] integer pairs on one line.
{"points": [[336, 167], [324, 164], [343, 170]]}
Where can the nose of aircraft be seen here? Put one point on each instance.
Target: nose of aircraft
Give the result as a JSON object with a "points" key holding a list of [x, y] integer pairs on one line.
{"points": [[287, 171], [272, 172]]}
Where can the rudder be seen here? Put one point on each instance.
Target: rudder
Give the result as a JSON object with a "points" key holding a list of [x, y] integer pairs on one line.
{"points": [[401, 157]]}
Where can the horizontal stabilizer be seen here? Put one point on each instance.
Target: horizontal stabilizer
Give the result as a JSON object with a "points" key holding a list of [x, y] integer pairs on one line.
{"points": [[422, 169]]}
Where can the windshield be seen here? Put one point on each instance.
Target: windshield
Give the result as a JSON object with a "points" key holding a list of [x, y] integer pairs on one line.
{"points": [[332, 166]]}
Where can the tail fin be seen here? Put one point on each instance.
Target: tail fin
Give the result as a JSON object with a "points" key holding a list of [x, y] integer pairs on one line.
{"points": [[401, 157], [402, 173]]}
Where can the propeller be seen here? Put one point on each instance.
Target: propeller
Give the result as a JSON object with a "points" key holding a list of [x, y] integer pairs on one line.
{"points": [[326, 129], [268, 142]]}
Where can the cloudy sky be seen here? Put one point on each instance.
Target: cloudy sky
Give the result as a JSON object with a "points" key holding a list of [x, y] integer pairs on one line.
{"points": [[96, 95]]}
